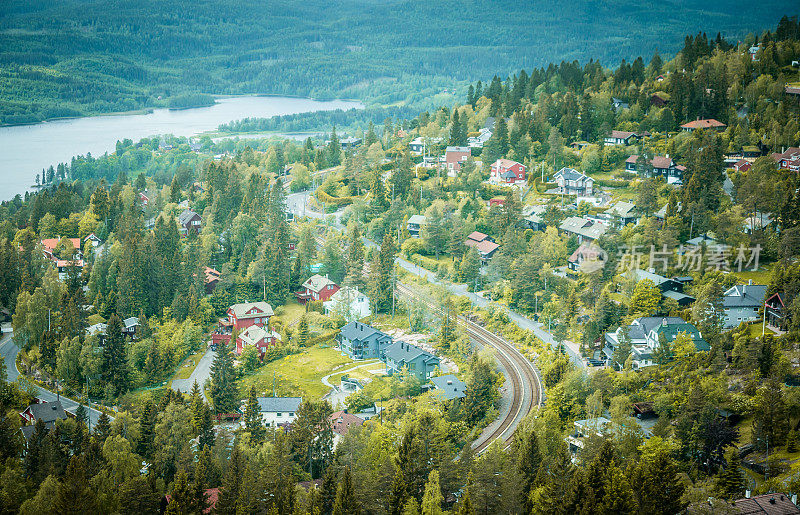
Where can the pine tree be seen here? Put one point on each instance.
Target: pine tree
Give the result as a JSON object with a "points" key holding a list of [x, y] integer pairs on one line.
{"points": [[355, 258], [302, 331], [465, 504], [252, 416], [346, 503], [114, 367], [82, 415], [377, 192], [470, 268], [102, 429], [202, 473], [730, 482], [328, 491], [75, 495], [529, 459], [398, 494], [182, 499], [206, 436], [402, 176], [432, 498], [382, 276], [147, 425], [223, 386], [228, 500], [447, 331], [791, 441]]}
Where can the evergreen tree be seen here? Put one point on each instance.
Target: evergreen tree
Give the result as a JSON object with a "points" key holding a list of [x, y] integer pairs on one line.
{"points": [[402, 176], [328, 491], [731, 481], [202, 473], [346, 503], [223, 382], [302, 331], [252, 416], [355, 258], [102, 429], [432, 498], [182, 501], [398, 493], [136, 496], [147, 425], [114, 367], [529, 460], [382, 270], [82, 415], [75, 494], [470, 268], [447, 330], [228, 500]]}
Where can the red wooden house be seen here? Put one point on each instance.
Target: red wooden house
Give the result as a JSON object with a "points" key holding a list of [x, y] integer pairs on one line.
{"points": [[241, 317], [508, 171], [317, 287]]}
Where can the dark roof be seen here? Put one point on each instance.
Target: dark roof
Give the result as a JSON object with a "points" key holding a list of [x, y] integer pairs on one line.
{"points": [[186, 216], [773, 504], [745, 296], [401, 351], [356, 331], [279, 404], [49, 412], [450, 386], [642, 325]]}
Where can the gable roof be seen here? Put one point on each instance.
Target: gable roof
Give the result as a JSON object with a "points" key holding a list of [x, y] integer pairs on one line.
{"points": [[279, 404], [417, 219], [662, 162], [346, 293], [186, 216], [589, 251], [317, 283], [342, 420], [505, 163], [583, 227], [255, 333], [458, 149], [51, 243], [744, 295], [486, 246], [450, 386], [622, 209], [251, 309], [703, 124], [767, 504], [357, 331], [49, 412], [643, 325], [622, 134], [477, 236], [571, 174], [401, 351]]}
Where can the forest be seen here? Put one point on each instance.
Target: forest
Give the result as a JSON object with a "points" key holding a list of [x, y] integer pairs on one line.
{"points": [[80, 58]]}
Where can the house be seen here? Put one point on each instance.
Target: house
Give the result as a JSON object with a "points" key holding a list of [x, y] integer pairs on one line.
{"points": [[317, 287], [48, 412], [278, 411], [349, 303], [533, 217], [240, 317], [661, 165], [478, 141], [776, 503], [98, 330], [579, 145], [349, 143], [620, 138], [449, 386], [212, 496], [619, 104], [596, 426], [455, 156], [706, 123], [789, 159], [742, 165], [189, 223], [49, 247], [417, 145], [506, 171], [64, 265], [776, 312], [212, 277], [573, 182], [260, 337], [645, 333], [753, 51], [419, 363], [94, 239], [496, 202], [756, 221], [485, 246], [742, 303], [587, 258], [584, 229], [360, 341], [670, 288], [659, 99], [703, 239], [129, 327], [414, 225], [625, 212], [342, 421]]}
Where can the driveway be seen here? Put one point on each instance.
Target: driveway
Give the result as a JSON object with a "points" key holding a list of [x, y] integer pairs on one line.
{"points": [[9, 351], [201, 373]]}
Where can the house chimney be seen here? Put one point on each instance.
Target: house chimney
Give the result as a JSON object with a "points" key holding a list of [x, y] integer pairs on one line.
{"points": [[794, 499], [747, 494], [749, 281], [664, 321]]}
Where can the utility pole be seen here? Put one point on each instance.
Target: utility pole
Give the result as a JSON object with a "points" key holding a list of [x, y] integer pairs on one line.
{"points": [[394, 285]]}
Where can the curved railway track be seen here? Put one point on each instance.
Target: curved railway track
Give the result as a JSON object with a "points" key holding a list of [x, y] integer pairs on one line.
{"points": [[522, 376]]}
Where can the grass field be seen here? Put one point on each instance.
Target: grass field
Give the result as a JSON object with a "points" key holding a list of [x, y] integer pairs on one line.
{"points": [[298, 374], [760, 276]]}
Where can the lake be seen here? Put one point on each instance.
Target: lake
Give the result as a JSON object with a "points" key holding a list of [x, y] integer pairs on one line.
{"points": [[27, 149]]}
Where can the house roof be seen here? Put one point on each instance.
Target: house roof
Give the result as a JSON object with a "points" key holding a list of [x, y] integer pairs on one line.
{"points": [[316, 283], [571, 174], [745, 296], [186, 215], [357, 331], [587, 252], [346, 293], [643, 325], [662, 162], [641, 275], [130, 322], [255, 333], [401, 351], [622, 209], [486, 247], [458, 149], [671, 331], [769, 504], [662, 212], [100, 328], [49, 412], [622, 134], [51, 243], [342, 420], [450, 386], [251, 309], [417, 219], [505, 163], [583, 227], [477, 236], [677, 296], [703, 124], [279, 404]]}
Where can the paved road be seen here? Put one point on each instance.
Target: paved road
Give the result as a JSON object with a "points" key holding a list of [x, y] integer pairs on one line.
{"points": [[9, 351], [201, 373]]}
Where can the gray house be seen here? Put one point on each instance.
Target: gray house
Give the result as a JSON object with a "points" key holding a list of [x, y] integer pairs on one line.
{"points": [[449, 386], [420, 363], [360, 341], [742, 304]]}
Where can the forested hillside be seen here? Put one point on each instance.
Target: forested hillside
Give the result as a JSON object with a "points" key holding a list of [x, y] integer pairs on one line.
{"points": [[71, 58]]}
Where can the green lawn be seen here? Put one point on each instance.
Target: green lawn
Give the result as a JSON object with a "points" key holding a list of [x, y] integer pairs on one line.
{"points": [[760, 276], [291, 312], [298, 374]]}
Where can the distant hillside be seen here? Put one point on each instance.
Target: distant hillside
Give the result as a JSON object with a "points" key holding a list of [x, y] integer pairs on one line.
{"points": [[77, 57]]}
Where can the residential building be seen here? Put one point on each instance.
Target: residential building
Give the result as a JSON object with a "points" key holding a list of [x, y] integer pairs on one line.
{"points": [[259, 337], [579, 145], [587, 258], [645, 333], [478, 141], [278, 411], [659, 99], [49, 246], [317, 287], [506, 171], [596, 426], [414, 225], [584, 229], [212, 277], [776, 311], [130, 326], [189, 223], [789, 159], [742, 303], [240, 317], [619, 104], [661, 165], [349, 143], [449, 386], [94, 239], [64, 265], [707, 123], [533, 217], [419, 363], [360, 341], [573, 182], [620, 138], [624, 212], [417, 145], [775, 503], [349, 303], [742, 165], [485, 245], [454, 157], [48, 412], [670, 288], [342, 421]]}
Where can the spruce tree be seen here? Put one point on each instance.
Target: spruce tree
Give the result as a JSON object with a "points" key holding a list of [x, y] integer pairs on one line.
{"points": [[228, 500], [328, 491], [432, 498], [114, 366], [252, 416], [202, 473], [182, 498], [529, 459], [223, 382], [730, 482], [302, 331], [355, 258], [102, 429], [82, 415], [346, 503], [75, 495]]}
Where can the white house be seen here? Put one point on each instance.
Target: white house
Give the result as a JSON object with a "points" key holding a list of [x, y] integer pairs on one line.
{"points": [[278, 410], [348, 302]]}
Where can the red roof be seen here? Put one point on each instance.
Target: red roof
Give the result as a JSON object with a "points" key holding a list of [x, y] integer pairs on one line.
{"points": [[622, 134], [342, 420], [662, 162], [52, 243], [703, 124], [632, 159], [477, 236], [486, 246], [505, 163]]}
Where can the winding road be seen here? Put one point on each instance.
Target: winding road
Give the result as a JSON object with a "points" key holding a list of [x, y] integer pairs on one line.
{"points": [[9, 351]]}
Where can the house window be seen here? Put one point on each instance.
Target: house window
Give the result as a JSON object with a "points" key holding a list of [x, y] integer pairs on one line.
{"points": [[291, 414], [278, 414]]}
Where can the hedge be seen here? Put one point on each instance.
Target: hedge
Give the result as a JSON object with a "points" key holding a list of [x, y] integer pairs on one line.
{"points": [[323, 196]]}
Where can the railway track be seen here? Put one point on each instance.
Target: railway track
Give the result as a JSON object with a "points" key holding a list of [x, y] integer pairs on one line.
{"points": [[525, 383]]}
